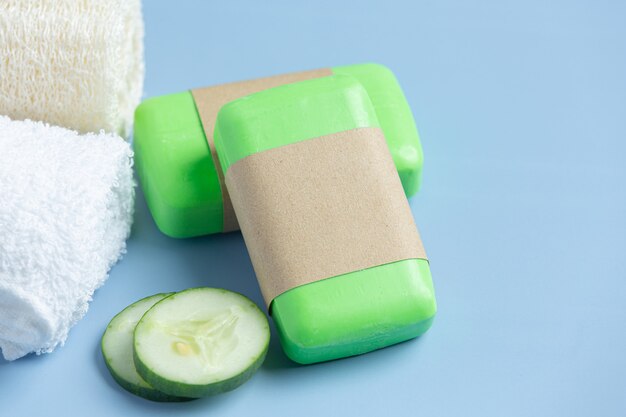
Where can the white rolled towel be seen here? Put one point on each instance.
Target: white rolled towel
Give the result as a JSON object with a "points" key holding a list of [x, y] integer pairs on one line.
{"points": [[72, 63], [66, 206]]}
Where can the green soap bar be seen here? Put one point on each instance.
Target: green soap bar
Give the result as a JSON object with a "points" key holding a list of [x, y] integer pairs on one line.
{"points": [[356, 313], [177, 173], [347, 314]]}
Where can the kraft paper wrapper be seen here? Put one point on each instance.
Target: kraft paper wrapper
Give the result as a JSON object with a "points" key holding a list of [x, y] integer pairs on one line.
{"points": [[320, 208], [209, 100]]}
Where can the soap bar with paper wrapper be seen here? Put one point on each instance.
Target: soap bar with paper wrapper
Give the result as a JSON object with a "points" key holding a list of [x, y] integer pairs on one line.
{"points": [[325, 219], [177, 164]]}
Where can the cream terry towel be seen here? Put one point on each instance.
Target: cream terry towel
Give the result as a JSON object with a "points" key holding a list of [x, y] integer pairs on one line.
{"points": [[73, 63], [66, 204]]}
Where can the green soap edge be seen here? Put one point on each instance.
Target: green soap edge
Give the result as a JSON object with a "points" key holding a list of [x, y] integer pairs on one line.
{"points": [[396, 120], [274, 118], [169, 138], [355, 313], [175, 168]]}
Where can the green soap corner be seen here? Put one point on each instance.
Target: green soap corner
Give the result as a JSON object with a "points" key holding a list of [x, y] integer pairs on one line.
{"points": [[396, 120], [175, 168], [355, 313]]}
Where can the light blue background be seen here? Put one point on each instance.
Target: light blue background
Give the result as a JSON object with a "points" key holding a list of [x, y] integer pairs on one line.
{"points": [[522, 111]]}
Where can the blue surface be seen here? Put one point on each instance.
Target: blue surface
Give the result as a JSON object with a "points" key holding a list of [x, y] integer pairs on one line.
{"points": [[522, 111]]}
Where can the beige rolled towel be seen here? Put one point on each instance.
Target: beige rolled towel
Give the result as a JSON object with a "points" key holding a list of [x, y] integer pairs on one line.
{"points": [[74, 63]]}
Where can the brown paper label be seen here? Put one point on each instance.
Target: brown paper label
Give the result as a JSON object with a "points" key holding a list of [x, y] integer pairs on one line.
{"points": [[320, 208], [209, 100]]}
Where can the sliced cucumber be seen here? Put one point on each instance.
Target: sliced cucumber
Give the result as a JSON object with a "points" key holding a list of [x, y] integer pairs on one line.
{"points": [[117, 349], [201, 342]]}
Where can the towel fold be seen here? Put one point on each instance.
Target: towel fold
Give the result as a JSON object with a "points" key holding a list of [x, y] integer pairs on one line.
{"points": [[66, 205], [72, 63]]}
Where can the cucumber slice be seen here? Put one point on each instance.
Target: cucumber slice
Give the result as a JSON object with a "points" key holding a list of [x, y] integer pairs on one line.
{"points": [[201, 342], [117, 349]]}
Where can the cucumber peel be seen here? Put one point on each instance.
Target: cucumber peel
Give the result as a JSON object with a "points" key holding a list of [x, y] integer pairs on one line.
{"points": [[117, 346]]}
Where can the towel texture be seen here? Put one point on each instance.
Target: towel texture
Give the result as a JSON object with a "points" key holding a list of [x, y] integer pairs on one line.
{"points": [[73, 63], [66, 205]]}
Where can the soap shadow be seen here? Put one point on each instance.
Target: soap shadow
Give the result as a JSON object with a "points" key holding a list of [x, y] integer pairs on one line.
{"points": [[140, 221], [219, 260], [233, 271], [276, 359], [227, 259], [393, 355]]}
